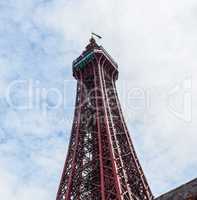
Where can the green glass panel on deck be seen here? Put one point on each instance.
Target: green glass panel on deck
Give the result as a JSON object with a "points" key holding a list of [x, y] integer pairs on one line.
{"points": [[84, 61]]}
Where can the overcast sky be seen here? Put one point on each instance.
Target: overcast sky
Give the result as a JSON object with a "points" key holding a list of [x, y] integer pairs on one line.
{"points": [[155, 45]]}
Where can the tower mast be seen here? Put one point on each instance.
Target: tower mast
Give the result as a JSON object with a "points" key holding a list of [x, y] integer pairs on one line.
{"points": [[101, 163]]}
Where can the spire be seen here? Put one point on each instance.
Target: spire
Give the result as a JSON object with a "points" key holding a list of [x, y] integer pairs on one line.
{"points": [[92, 44], [91, 49]]}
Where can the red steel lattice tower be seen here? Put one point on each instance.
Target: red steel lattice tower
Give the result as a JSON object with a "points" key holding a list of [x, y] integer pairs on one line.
{"points": [[101, 163]]}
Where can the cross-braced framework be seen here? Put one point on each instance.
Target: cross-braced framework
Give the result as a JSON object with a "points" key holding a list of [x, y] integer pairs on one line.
{"points": [[101, 163]]}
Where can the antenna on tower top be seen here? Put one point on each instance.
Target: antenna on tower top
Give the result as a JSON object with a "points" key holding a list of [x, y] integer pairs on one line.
{"points": [[98, 36]]}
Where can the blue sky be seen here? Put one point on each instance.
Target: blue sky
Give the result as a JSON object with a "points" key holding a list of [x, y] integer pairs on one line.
{"points": [[154, 43]]}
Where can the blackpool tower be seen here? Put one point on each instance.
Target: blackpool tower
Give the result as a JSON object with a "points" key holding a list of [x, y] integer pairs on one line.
{"points": [[101, 162]]}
